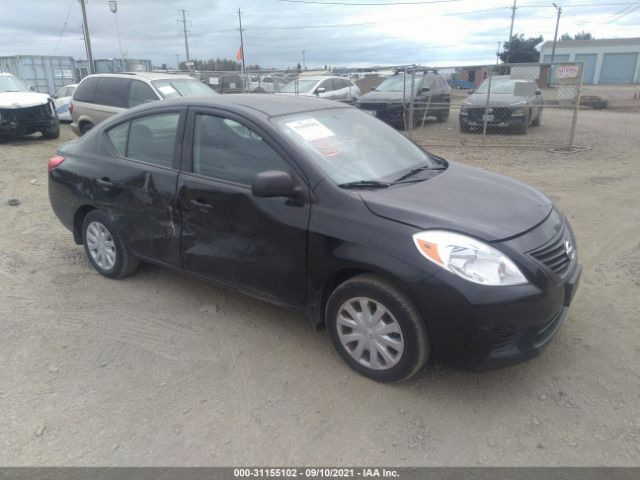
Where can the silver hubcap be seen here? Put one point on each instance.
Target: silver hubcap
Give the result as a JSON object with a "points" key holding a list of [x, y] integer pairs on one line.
{"points": [[101, 245], [370, 333]]}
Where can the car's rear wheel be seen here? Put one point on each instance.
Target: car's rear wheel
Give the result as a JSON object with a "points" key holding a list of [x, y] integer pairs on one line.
{"points": [[442, 115], [376, 329], [104, 247]]}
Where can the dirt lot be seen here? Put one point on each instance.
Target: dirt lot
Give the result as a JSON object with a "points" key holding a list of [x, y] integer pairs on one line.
{"points": [[162, 369]]}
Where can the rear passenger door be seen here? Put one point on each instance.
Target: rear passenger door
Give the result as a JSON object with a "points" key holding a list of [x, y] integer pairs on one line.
{"points": [[136, 182], [110, 97], [228, 234]]}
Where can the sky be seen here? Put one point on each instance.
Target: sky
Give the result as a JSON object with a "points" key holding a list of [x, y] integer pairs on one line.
{"points": [[437, 33]]}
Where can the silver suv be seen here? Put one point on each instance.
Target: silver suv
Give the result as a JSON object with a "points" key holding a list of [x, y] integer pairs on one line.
{"points": [[102, 95]]}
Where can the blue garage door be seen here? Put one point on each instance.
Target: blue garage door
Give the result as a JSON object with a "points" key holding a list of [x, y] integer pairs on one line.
{"points": [[589, 66], [618, 67]]}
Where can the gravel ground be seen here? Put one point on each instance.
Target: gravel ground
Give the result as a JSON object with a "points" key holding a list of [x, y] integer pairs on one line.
{"points": [[162, 369]]}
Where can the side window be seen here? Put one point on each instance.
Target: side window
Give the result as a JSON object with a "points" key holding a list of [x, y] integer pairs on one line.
{"points": [[62, 92], [112, 92], [86, 90], [326, 84], [139, 93], [150, 139], [118, 136], [227, 150]]}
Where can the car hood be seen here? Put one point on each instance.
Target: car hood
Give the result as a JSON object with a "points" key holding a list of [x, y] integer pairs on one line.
{"points": [[495, 100], [384, 97], [463, 199], [22, 99]]}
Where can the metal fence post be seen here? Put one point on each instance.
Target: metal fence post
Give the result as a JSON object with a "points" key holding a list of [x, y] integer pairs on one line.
{"points": [[486, 105], [411, 112], [574, 122]]}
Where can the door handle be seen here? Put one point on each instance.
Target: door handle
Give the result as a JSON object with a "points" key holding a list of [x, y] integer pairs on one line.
{"points": [[201, 204], [104, 182]]}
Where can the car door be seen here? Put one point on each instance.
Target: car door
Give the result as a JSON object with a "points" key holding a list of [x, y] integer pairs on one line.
{"points": [[136, 182], [228, 234], [61, 101], [328, 93], [110, 98]]}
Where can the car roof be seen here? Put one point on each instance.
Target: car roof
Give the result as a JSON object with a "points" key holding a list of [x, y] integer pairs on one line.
{"points": [[147, 75], [6, 74], [266, 104], [319, 77]]}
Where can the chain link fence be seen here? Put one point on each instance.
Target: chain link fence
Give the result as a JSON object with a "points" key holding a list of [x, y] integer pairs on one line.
{"points": [[494, 105], [533, 104]]}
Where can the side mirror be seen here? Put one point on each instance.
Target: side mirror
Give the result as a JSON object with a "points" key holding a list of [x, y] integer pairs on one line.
{"points": [[320, 90], [425, 90], [538, 92], [471, 92], [32, 88], [273, 183]]}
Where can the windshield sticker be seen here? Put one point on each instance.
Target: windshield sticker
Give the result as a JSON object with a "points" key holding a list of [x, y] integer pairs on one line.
{"points": [[326, 147], [167, 90], [310, 129]]}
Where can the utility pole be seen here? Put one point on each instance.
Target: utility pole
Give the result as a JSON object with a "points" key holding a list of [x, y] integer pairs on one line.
{"points": [[555, 36], [186, 40], [498, 54], [304, 64], [113, 6], [177, 61], [87, 37], [513, 17], [241, 49]]}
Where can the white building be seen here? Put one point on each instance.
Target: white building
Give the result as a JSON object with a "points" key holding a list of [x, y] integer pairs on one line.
{"points": [[608, 60]]}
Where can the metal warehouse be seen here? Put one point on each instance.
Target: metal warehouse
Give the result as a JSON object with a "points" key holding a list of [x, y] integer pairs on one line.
{"points": [[608, 60]]}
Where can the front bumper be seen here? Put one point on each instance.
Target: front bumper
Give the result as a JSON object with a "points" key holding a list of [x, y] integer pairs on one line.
{"points": [[17, 122], [477, 327], [496, 118]]}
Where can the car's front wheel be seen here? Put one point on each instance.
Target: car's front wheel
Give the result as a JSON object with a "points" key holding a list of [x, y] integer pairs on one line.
{"points": [[104, 247], [376, 329]]}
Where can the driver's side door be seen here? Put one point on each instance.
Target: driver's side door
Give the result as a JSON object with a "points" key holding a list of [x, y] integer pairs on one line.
{"points": [[228, 234]]}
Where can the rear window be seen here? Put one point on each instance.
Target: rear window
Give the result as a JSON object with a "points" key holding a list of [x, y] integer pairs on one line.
{"points": [[86, 90]]}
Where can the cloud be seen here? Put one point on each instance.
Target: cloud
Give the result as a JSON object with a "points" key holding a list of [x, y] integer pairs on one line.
{"points": [[276, 32]]}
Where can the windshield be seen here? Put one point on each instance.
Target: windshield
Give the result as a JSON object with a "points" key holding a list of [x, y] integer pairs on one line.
{"points": [[12, 84], [181, 87], [352, 146], [302, 86], [398, 83], [497, 86]]}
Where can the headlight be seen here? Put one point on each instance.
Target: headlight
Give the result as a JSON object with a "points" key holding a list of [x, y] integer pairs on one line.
{"points": [[517, 112], [464, 110], [468, 258]]}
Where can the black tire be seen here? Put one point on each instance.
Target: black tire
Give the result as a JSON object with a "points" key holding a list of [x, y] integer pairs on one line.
{"points": [[464, 128], [414, 333], [51, 133], [85, 127], [125, 262], [442, 115]]}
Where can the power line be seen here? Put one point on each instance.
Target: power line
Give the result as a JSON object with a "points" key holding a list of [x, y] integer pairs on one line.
{"points": [[64, 27], [379, 4]]}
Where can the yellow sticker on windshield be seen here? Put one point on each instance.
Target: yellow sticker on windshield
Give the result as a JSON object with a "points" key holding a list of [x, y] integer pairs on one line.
{"points": [[310, 129]]}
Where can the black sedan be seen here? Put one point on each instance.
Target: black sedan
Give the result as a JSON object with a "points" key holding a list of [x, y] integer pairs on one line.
{"points": [[322, 208]]}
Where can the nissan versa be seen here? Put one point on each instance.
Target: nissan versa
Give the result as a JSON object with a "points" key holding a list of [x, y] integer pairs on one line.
{"points": [[317, 206]]}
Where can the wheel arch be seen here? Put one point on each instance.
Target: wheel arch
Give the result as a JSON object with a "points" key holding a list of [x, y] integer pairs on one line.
{"points": [[78, 218]]}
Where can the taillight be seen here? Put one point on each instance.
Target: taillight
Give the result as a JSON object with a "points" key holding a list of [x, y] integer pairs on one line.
{"points": [[70, 106], [54, 162]]}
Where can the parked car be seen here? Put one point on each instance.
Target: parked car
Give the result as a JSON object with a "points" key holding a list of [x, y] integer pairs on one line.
{"points": [[391, 100], [23, 111], [62, 100], [265, 84], [404, 256], [100, 96], [331, 88], [513, 103]]}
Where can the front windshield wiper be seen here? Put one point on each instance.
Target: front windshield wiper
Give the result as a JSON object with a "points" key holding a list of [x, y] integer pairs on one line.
{"points": [[364, 184], [413, 171]]}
